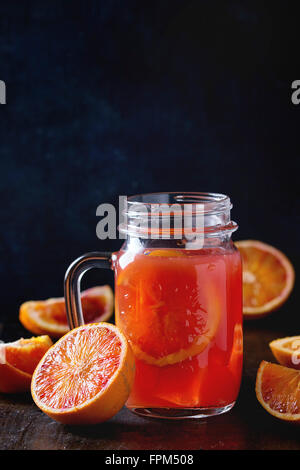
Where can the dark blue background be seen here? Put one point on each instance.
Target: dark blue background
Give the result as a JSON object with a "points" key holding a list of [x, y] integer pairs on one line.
{"points": [[123, 97]]}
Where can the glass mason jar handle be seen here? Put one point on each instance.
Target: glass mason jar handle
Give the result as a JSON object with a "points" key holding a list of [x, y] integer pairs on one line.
{"points": [[72, 283]]}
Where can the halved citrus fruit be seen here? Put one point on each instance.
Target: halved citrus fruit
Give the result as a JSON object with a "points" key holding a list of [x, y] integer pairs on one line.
{"points": [[18, 361], [49, 316], [268, 278], [86, 377], [163, 310], [278, 391], [287, 351]]}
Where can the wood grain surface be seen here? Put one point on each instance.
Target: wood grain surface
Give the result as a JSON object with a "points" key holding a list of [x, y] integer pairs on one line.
{"points": [[247, 426]]}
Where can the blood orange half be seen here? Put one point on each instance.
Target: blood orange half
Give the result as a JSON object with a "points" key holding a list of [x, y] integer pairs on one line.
{"points": [[49, 316], [86, 377]]}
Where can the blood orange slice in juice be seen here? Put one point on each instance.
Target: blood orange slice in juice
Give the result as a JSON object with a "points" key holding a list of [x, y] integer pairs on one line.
{"points": [[165, 313]]}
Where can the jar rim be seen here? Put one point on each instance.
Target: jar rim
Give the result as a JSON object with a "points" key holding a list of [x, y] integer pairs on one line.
{"points": [[214, 208], [198, 202]]}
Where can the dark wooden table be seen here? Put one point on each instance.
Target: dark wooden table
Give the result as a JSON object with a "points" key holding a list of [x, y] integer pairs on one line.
{"points": [[247, 426]]}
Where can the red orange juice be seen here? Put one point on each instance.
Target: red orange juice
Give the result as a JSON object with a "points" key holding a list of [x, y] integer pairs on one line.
{"points": [[181, 311]]}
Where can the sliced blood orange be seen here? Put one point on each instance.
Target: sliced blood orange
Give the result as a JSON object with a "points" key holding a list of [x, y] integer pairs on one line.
{"points": [[86, 377], [18, 361], [163, 310], [278, 391], [49, 316], [170, 328], [268, 278], [287, 351]]}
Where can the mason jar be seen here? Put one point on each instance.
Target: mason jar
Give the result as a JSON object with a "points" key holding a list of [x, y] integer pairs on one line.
{"points": [[178, 300]]}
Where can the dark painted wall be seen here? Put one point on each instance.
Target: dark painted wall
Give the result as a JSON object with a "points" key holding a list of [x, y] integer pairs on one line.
{"points": [[122, 97]]}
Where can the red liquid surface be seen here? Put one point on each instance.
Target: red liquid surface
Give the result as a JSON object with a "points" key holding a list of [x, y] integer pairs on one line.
{"points": [[181, 311]]}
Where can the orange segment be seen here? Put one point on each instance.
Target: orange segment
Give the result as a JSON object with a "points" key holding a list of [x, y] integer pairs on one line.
{"points": [[287, 351], [49, 316], [278, 391], [18, 361], [236, 357], [172, 383], [268, 278], [86, 377]]}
